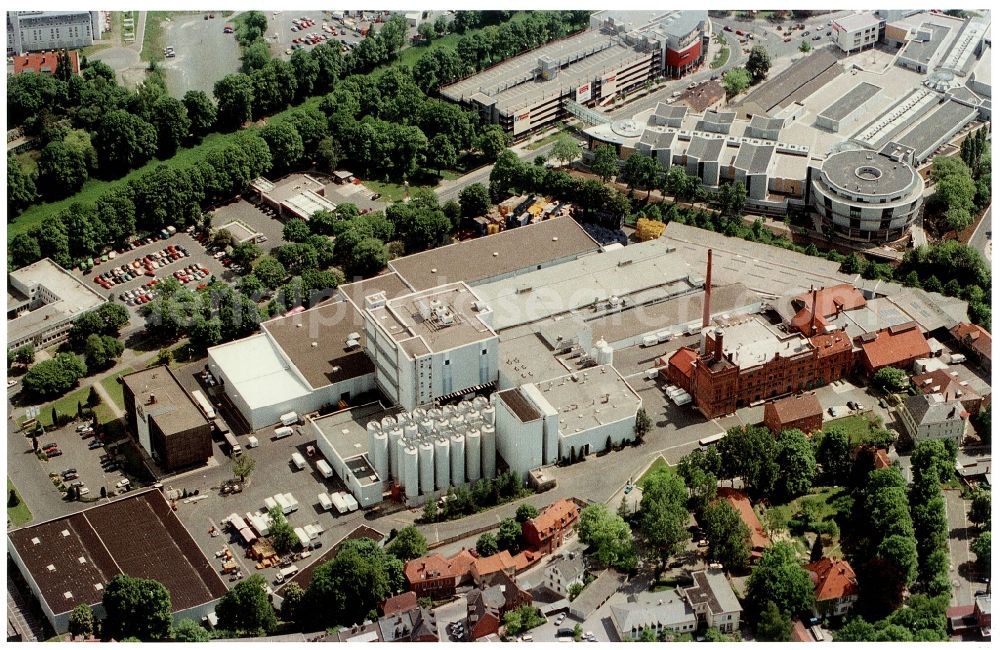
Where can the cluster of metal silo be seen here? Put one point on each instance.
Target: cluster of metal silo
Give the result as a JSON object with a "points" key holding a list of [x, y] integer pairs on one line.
{"points": [[427, 450]]}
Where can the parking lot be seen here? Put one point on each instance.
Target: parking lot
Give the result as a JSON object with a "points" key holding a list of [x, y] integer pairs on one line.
{"points": [[281, 36], [191, 37], [250, 215]]}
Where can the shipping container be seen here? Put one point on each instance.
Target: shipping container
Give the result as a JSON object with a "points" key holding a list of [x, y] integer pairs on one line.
{"points": [[283, 432], [203, 404], [324, 501], [352, 503], [298, 460], [324, 468], [303, 538], [290, 418], [292, 501], [339, 502]]}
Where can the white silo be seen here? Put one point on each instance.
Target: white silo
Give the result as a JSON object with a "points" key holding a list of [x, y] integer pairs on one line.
{"points": [[426, 455], [480, 402], [419, 414], [489, 451], [489, 414], [378, 454], [457, 420], [410, 430], [374, 428], [388, 422], [442, 466], [472, 451], [410, 472], [425, 426], [604, 352], [449, 410], [395, 436], [402, 418], [441, 424], [457, 459], [464, 406], [434, 413]]}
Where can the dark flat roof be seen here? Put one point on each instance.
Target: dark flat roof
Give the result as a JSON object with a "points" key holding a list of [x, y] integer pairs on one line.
{"points": [[137, 535], [949, 115], [850, 101], [782, 86], [389, 283], [922, 51], [174, 410], [841, 170], [491, 256], [519, 404], [328, 325]]}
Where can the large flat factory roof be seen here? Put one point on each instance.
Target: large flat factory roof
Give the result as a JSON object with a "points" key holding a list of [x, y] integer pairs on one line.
{"points": [[287, 187], [752, 342], [494, 79], [315, 341], [638, 268], [388, 283], [526, 358], [73, 558], [947, 117], [347, 430], [173, 408], [590, 398], [74, 297], [851, 101], [269, 379], [867, 173], [792, 80], [433, 320], [922, 50], [494, 256]]}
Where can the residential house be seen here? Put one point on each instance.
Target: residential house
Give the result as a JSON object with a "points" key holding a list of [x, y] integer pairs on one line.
{"points": [[486, 567], [741, 503], [546, 531], [971, 622], [367, 632], [404, 602], [836, 586], [897, 346], [713, 600], [487, 605], [415, 625], [431, 576], [976, 341], [931, 417], [662, 612], [803, 412], [596, 594], [564, 572], [947, 383]]}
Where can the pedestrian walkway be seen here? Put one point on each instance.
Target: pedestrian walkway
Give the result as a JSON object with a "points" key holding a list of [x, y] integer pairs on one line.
{"points": [[20, 616]]}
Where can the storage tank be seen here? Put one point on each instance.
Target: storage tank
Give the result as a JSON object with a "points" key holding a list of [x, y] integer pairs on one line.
{"points": [[442, 467], [488, 451], [395, 435], [388, 422], [457, 420], [426, 457], [480, 402], [434, 413], [605, 353], [464, 407], [419, 414], [378, 454], [449, 410], [410, 472], [441, 424], [489, 414], [402, 418], [473, 441], [457, 459], [409, 430], [425, 426]]}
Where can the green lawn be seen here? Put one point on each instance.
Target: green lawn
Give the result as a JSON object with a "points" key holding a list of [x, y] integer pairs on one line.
{"points": [[552, 137], [721, 59], [152, 40], [857, 427], [19, 514], [823, 500], [66, 404], [412, 54], [392, 191], [114, 387], [658, 464], [94, 188]]}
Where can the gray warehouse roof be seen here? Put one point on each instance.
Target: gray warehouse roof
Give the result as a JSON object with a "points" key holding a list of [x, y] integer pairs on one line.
{"points": [[850, 101], [921, 50], [670, 111], [754, 158], [947, 117], [705, 149]]}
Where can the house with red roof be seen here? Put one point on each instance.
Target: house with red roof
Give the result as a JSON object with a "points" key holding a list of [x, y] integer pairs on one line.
{"points": [[741, 504], [802, 412], [404, 602], [897, 346], [950, 386], [836, 586], [546, 531], [976, 341], [815, 310], [45, 62], [490, 565], [431, 576]]}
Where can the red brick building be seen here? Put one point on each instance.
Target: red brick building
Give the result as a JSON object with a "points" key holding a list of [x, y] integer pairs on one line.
{"points": [[431, 576], [943, 382], [836, 586], [898, 346], [976, 341], [802, 412], [719, 383], [824, 303], [546, 531]]}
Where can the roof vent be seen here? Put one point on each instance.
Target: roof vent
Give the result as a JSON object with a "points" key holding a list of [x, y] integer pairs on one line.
{"points": [[496, 254], [68, 595], [434, 270], [98, 586], [555, 239], [314, 344], [65, 533], [81, 560], [51, 567], [36, 541]]}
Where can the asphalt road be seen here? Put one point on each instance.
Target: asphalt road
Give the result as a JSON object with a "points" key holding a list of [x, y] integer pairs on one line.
{"points": [[450, 189], [979, 240], [960, 534], [192, 37]]}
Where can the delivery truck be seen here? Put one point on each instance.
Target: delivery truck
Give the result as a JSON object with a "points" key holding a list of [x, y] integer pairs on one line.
{"points": [[324, 468], [298, 460]]}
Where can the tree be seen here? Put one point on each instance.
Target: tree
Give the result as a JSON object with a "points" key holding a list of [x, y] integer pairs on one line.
{"points": [[234, 95], [81, 621], [525, 512], [935, 458], [779, 577], [834, 454], [172, 123], [901, 551], [891, 380], [369, 257], [487, 545], [662, 512], [270, 272], [509, 535], [642, 423], [798, 465], [979, 511], [54, 377], [201, 112], [187, 630], [609, 536], [136, 607], [25, 355], [522, 619], [981, 547], [474, 200], [442, 153], [640, 172], [758, 63], [344, 590], [816, 554], [735, 81], [749, 453], [605, 163], [565, 149], [102, 351], [20, 187], [293, 596], [282, 535], [61, 171], [773, 624], [805, 47], [243, 466], [430, 511], [246, 610], [408, 544], [295, 230], [123, 141], [728, 536], [285, 143], [24, 248], [493, 140], [958, 218]]}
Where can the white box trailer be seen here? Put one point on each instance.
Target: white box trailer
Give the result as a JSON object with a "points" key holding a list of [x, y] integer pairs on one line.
{"points": [[286, 507], [269, 503], [324, 468], [260, 523], [285, 574], [311, 531], [292, 501], [298, 460], [339, 502], [303, 537], [290, 418], [352, 503], [283, 432], [324, 501]]}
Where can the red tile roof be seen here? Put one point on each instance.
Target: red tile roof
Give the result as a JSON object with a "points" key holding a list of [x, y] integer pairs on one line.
{"points": [[794, 407], [739, 501], [404, 602], [800, 633], [44, 62], [556, 517], [833, 579], [495, 563], [882, 459], [832, 343], [889, 348], [461, 563], [429, 567], [683, 359], [802, 321], [975, 337], [941, 381], [829, 299]]}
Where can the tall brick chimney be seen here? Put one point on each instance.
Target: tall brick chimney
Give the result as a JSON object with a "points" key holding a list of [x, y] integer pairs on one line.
{"points": [[707, 307], [812, 322], [718, 344]]}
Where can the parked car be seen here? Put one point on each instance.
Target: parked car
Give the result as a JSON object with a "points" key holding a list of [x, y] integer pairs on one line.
{"points": [[51, 445], [52, 453]]}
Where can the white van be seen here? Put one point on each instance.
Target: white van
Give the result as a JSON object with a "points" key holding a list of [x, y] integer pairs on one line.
{"points": [[290, 418], [298, 460], [324, 468], [252, 442], [283, 432]]}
